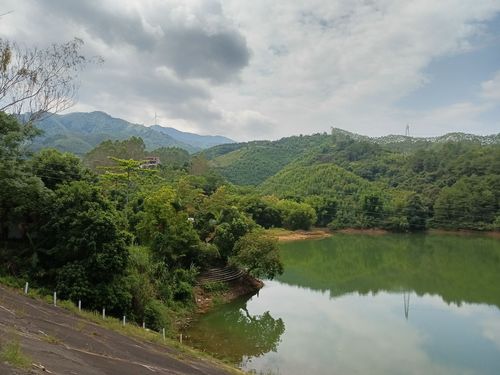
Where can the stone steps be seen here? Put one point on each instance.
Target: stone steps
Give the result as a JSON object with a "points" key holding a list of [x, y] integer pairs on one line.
{"points": [[219, 275]]}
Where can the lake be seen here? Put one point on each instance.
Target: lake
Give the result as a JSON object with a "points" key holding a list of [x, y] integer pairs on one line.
{"points": [[361, 304]]}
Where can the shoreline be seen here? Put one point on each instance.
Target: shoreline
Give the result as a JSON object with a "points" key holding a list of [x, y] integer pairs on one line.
{"points": [[283, 235], [246, 285], [465, 232]]}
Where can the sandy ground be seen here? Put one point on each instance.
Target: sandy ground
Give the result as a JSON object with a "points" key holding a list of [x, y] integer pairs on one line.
{"points": [[370, 231], [298, 235], [60, 342]]}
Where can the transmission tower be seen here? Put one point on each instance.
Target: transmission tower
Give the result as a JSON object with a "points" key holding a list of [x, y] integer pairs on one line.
{"points": [[406, 302], [407, 130]]}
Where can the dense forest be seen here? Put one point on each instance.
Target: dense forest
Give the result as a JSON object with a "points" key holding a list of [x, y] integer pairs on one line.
{"points": [[105, 230]]}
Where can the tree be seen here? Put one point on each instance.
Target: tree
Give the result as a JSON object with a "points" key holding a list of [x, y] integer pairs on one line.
{"points": [[21, 193], [231, 226], [54, 167], [262, 212], [258, 253], [102, 155], [416, 213], [172, 237], [296, 215], [38, 81], [80, 248], [325, 207], [372, 208]]}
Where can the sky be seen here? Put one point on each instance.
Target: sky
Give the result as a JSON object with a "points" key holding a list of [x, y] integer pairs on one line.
{"points": [[269, 69]]}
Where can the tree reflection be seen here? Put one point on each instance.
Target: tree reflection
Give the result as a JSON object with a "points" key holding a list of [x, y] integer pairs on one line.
{"points": [[233, 333], [459, 269]]}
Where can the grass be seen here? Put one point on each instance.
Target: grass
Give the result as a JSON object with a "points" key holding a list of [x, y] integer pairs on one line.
{"points": [[278, 231], [12, 354], [215, 287], [50, 339]]}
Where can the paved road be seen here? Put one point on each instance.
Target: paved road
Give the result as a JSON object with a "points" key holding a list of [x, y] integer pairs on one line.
{"points": [[63, 343]]}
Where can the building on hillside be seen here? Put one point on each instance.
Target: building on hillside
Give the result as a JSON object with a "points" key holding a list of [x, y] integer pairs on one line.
{"points": [[151, 162]]}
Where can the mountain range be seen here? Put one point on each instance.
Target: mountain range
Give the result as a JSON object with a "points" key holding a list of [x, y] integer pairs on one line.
{"points": [[251, 163], [80, 132]]}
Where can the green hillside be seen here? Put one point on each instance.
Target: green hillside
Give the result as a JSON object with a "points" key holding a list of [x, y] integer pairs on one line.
{"points": [[301, 180], [253, 162]]}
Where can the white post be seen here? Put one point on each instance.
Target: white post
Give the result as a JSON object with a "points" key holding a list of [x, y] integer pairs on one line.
{"points": [[55, 298], [163, 331], [143, 325], [26, 288], [80, 305], [180, 338], [124, 320], [103, 313]]}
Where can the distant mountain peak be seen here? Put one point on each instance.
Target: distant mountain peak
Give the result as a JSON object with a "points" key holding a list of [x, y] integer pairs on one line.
{"points": [[79, 132], [201, 141]]}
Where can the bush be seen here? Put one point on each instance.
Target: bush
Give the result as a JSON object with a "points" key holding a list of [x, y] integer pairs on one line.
{"points": [[296, 215], [156, 315]]}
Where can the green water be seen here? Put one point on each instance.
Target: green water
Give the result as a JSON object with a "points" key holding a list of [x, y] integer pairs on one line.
{"points": [[352, 304]]}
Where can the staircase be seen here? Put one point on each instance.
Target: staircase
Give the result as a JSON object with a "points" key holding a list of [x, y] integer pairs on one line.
{"points": [[224, 274]]}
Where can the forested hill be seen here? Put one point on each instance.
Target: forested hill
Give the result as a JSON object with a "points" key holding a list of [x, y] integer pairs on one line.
{"points": [[80, 132], [251, 163], [450, 181], [405, 143]]}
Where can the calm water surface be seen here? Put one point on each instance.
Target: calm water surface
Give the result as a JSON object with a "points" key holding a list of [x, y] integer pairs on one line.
{"points": [[352, 304]]}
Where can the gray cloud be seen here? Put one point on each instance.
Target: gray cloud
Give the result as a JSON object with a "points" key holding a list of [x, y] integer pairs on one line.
{"points": [[192, 50], [196, 54], [111, 26]]}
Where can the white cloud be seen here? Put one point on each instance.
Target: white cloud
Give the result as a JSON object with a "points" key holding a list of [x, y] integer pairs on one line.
{"points": [[346, 63], [491, 331], [491, 88]]}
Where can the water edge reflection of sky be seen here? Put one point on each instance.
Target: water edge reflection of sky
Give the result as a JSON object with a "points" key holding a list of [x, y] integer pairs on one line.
{"points": [[369, 334]]}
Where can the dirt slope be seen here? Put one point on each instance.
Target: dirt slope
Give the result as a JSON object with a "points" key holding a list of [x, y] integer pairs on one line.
{"points": [[63, 343]]}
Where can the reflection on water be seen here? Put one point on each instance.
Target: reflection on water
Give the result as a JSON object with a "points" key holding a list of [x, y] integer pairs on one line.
{"points": [[370, 305], [235, 334]]}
